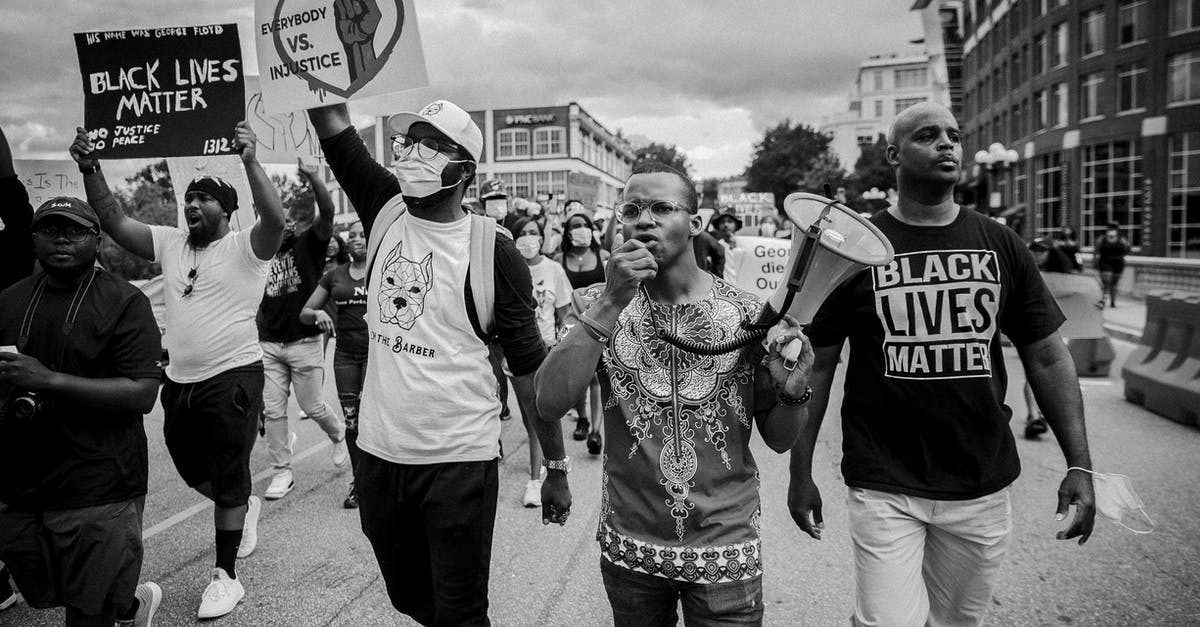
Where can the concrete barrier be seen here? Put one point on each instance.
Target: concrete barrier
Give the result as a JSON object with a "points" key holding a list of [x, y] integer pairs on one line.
{"points": [[1163, 372]]}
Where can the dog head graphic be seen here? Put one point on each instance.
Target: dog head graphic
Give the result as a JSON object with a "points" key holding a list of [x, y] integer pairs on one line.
{"points": [[403, 287]]}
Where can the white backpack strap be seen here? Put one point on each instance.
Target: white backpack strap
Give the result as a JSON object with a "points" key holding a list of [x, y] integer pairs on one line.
{"points": [[483, 270], [388, 213]]}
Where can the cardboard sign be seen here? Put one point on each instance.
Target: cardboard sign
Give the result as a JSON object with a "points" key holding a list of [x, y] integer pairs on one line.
{"points": [[316, 52], [228, 168], [164, 92], [757, 264], [282, 137], [48, 178]]}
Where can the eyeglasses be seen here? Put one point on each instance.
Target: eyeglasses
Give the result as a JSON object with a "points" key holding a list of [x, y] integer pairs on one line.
{"points": [[191, 286], [427, 147], [630, 212], [74, 232]]}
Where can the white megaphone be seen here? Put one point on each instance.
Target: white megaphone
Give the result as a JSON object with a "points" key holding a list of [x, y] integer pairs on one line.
{"points": [[830, 242]]}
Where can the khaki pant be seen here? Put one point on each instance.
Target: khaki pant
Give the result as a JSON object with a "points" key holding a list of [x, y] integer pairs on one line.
{"points": [[299, 365], [922, 561]]}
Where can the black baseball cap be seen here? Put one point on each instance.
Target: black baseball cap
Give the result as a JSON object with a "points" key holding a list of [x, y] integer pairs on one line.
{"points": [[73, 209]]}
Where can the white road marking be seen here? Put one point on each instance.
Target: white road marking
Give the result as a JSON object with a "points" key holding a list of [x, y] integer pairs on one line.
{"points": [[175, 519]]}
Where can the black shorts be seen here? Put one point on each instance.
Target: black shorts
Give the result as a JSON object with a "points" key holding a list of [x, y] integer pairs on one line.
{"points": [[88, 559], [210, 427]]}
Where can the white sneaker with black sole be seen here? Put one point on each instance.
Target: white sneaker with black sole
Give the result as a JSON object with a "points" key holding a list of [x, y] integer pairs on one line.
{"points": [[281, 484]]}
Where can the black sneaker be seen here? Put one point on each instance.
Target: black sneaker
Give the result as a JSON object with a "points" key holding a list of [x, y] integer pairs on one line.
{"points": [[1035, 427], [351, 501], [594, 443], [581, 430]]}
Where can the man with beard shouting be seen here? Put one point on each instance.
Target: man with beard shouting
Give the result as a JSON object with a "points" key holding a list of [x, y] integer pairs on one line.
{"points": [[213, 281]]}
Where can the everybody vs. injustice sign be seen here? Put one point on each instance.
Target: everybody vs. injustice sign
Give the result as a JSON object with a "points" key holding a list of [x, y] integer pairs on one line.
{"points": [[164, 92], [319, 52]]}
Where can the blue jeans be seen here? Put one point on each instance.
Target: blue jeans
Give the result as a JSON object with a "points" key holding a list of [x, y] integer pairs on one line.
{"points": [[639, 599]]}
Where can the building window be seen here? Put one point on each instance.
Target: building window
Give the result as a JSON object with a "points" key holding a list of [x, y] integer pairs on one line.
{"points": [[904, 103], [1041, 111], [1039, 54], [1185, 15], [1131, 85], [1185, 78], [1183, 197], [879, 108], [1131, 22], [1017, 74], [864, 135], [878, 80], [512, 143], [552, 183], [1089, 95], [517, 184], [1091, 33], [1058, 45], [1058, 105], [1020, 179], [916, 77], [1112, 191], [1041, 8], [548, 141], [1047, 194]]}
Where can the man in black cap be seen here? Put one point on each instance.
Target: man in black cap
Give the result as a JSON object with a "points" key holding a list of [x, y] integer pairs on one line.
{"points": [[213, 281], [79, 353]]}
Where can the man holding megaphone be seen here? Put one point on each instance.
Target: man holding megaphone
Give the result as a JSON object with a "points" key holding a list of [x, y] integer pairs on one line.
{"points": [[680, 482], [928, 451]]}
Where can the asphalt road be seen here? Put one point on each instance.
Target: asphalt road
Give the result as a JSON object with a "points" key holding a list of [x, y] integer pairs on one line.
{"points": [[313, 566]]}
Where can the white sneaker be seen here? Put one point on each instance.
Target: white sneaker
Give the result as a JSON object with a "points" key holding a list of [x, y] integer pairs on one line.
{"points": [[149, 595], [250, 528], [533, 493], [341, 453], [221, 595], [281, 484]]}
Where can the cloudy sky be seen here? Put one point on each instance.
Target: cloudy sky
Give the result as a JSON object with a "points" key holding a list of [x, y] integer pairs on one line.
{"points": [[705, 75]]}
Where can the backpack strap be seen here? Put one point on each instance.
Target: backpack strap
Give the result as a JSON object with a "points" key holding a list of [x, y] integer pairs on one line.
{"points": [[482, 272], [388, 213]]}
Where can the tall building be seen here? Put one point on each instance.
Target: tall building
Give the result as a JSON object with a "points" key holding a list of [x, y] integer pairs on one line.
{"points": [[1100, 99], [883, 86]]}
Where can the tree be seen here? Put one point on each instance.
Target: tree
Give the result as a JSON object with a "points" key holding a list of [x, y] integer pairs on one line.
{"points": [[792, 158], [662, 153], [295, 194], [708, 197], [871, 170], [149, 197]]}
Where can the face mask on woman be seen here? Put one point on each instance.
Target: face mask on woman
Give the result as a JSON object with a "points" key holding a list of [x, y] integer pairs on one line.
{"points": [[529, 245], [581, 237]]}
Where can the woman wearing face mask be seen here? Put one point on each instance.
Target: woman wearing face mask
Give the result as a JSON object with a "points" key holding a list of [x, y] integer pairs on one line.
{"points": [[584, 261], [345, 290], [552, 292]]}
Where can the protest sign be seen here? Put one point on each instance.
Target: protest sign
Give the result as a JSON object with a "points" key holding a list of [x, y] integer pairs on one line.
{"points": [[282, 137], [757, 264], [751, 207], [164, 92], [228, 168], [316, 52], [47, 178]]}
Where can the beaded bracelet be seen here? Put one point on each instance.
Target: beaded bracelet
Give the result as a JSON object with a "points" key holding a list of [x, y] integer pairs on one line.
{"points": [[796, 402]]}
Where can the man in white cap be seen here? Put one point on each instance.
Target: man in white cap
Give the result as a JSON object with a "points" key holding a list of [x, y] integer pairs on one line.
{"points": [[429, 422]]}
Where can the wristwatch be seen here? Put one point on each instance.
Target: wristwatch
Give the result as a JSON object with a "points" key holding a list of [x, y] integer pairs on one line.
{"points": [[563, 464]]}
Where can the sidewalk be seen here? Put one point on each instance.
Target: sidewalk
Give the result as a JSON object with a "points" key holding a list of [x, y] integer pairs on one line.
{"points": [[1126, 320]]}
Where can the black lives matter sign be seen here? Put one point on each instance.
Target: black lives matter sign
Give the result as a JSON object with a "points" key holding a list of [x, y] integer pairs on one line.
{"points": [[164, 92], [939, 312]]}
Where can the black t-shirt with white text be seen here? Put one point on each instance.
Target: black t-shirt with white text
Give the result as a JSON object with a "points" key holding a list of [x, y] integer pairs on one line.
{"points": [[349, 297], [72, 455], [923, 412], [294, 274]]}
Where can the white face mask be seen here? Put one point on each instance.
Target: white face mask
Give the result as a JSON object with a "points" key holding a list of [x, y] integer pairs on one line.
{"points": [[529, 245], [496, 208], [420, 178], [1116, 501], [581, 237]]}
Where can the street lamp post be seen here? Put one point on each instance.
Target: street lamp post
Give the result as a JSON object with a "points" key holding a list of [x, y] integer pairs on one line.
{"points": [[996, 159], [873, 194]]}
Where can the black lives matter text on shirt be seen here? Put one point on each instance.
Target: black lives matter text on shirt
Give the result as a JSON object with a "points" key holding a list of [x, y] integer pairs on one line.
{"points": [[163, 92]]}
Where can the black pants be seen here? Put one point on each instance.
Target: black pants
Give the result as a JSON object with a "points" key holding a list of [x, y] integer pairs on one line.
{"points": [[431, 529]]}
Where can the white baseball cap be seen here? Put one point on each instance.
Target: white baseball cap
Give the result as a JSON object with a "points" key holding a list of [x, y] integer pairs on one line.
{"points": [[448, 118]]}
